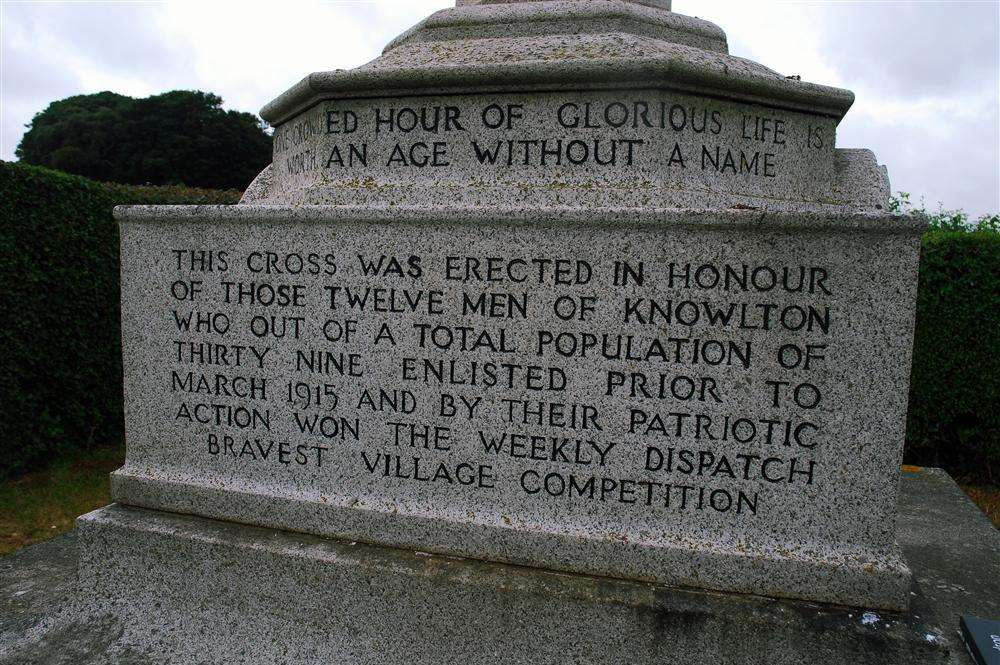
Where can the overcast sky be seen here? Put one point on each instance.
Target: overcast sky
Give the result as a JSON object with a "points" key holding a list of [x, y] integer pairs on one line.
{"points": [[925, 73]]}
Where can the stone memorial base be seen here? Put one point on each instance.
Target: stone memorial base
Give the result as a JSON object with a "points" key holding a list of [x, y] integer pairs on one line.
{"points": [[747, 399], [156, 587]]}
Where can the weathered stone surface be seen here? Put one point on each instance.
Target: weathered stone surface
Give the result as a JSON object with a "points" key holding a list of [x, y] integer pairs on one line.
{"points": [[561, 45], [642, 149], [660, 4], [552, 283], [316, 600], [692, 430], [259, 188], [595, 104]]}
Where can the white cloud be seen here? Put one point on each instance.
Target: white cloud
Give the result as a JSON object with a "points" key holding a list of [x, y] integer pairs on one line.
{"points": [[925, 72]]}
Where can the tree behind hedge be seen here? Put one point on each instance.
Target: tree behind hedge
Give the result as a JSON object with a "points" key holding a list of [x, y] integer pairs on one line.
{"points": [[181, 137], [61, 339]]}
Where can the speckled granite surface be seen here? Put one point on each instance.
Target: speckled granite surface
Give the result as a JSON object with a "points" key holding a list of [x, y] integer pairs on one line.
{"points": [[793, 499], [590, 136], [602, 103], [690, 207]]}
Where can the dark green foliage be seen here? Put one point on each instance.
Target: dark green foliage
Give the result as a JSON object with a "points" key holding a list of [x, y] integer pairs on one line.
{"points": [[61, 347], [180, 137], [77, 135], [954, 414], [954, 411]]}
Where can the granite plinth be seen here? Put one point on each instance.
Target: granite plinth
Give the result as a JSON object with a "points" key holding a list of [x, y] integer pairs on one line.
{"points": [[563, 103], [659, 465], [557, 284], [624, 148], [165, 589]]}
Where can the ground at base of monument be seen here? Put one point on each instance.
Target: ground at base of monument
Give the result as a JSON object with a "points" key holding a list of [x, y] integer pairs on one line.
{"points": [[171, 588], [43, 504]]}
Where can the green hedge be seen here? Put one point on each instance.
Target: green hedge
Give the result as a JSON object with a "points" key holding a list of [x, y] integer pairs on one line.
{"points": [[954, 415], [60, 341], [61, 367]]}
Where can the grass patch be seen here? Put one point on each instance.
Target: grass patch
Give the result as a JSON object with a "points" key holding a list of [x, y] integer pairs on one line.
{"points": [[44, 504], [987, 497]]}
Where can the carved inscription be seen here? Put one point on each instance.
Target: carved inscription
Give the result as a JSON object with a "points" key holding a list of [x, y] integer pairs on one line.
{"points": [[590, 136], [532, 380]]}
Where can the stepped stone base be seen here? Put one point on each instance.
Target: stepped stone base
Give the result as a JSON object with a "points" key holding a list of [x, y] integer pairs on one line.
{"points": [[156, 587]]}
